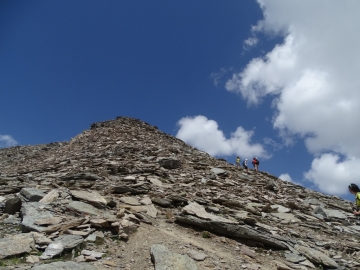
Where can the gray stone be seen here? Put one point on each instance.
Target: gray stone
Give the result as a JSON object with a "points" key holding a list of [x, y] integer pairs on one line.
{"points": [[32, 259], [85, 208], [151, 210], [82, 176], [294, 258], [313, 201], [286, 217], [331, 213], [146, 200], [233, 230], [169, 163], [40, 238], [212, 209], [130, 178], [199, 211], [280, 208], [316, 256], [91, 238], [218, 171], [32, 212], [164, 259], [196, 255], [155, 181], [143, 189], [320, 211], [16, 245], [130, 200], [92, 253], [62, 243], [12, 205], [50, 197], [93, 198], [162, 202], [65, 266], [32, 194]]}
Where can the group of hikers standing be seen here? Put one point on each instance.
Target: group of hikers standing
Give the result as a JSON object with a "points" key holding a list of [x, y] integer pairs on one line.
{"points": [[255, 162]]}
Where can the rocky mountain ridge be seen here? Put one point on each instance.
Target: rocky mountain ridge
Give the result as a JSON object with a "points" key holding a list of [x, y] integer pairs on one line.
{"points": [[125, 195]]}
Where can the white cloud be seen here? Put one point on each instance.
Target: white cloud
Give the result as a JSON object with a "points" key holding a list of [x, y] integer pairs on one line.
{"points": [[313, 76], [7, 141], [250, 42], [205, 135], [286, 177], [332, 175]]}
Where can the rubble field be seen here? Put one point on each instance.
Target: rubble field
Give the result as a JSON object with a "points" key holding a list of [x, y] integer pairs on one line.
{"points": [[124, 195]]}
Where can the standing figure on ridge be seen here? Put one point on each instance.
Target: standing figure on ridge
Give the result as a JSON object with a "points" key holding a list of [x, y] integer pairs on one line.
{"points": [[238, 162], [354, 189], [245, 164], [255, 162]]}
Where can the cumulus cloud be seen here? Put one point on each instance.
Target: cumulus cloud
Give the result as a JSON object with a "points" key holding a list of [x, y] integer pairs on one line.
{"points": [[332, 175], [286, 177], [205, 135], [7, 141], [313, 77]]}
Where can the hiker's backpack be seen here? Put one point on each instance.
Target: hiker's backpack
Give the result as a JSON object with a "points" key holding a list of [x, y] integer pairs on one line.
{"points": [[257, 162]]}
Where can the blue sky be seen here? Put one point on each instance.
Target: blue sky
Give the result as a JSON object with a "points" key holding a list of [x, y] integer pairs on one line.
{"points": [[265, 78]]}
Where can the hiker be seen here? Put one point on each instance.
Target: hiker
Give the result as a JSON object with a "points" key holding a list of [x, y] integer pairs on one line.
{"points": [[255, 162], [238, 162], [245, 164], [354, 189]]}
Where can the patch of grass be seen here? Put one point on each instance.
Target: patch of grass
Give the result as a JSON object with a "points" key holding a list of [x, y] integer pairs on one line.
{"points": [[99, 241], [12, 261], [206, 234]]}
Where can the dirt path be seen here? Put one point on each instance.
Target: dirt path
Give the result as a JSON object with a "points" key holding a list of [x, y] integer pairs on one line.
{"points": [[223, 253]]}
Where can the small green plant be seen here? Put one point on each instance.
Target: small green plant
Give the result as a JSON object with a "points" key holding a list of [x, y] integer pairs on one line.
{"points": [[206, 234], [99, 241], [11, 261]]}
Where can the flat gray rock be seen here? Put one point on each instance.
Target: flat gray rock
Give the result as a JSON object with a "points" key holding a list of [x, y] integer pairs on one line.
{"points": [[316, 256], [32, 212], [280, 208], [218, 171], [88, 209], [62, 243], [93, 198], [233, 230], [16, 245], [155, 181], [294, 258], [32, 194], [65, 266], [286, 217], [164, 259], [332, 213], [199, 211], [196, 255], [130, 200]]}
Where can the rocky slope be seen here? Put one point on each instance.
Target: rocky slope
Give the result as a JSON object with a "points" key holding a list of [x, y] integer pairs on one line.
{"points": [[124, 195]]}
